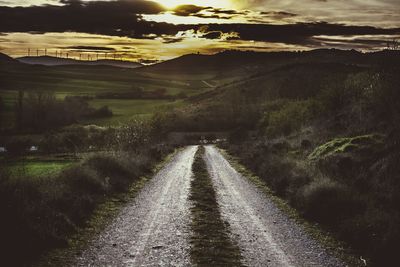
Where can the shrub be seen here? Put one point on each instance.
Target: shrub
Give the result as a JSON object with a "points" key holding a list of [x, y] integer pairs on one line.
{"points": [[102, 112], [328, 202], [289, 117], [42, 213], [113, 171]]}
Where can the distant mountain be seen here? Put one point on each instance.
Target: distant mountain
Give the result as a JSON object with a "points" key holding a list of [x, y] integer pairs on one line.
{"points": [[221, 62], [55, 61], [5, 58]]}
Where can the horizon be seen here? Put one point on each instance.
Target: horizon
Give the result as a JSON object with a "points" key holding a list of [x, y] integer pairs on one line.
{"points": [[93, 57]]}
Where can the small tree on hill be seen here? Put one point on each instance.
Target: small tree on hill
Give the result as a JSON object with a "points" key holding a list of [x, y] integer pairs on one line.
{"points": [[393, 45]]}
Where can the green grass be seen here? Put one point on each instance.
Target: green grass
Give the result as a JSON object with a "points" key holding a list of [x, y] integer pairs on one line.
{"points": [[343, 145], [126, 110], [211, 243], [91, 81], [34, 169]]}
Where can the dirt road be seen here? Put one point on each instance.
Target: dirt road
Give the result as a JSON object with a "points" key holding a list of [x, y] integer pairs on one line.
{"points": [[153, 229], [266, 236]]}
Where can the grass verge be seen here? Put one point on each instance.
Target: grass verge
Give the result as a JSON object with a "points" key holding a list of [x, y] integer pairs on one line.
{"points": [[338, 249], [45, 213], [211, 243]]}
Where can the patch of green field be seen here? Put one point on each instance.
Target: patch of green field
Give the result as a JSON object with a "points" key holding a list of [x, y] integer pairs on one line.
{"points": [[91, 81], [36, 169], [126, 110]]}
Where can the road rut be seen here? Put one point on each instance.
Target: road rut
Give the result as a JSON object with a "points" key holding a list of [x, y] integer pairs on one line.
{"points": [[266, 236], [152, 230]]}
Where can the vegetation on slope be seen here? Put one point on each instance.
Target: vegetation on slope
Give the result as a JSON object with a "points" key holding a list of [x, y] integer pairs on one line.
{"points": [[322, 136]]}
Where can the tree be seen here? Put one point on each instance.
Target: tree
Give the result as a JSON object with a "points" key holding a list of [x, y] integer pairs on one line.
{"points": [[393, 45]]}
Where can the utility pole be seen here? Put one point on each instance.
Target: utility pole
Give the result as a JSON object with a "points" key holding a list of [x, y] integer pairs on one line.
{"points": [[29, 52], [37, 52], [45, 51]]}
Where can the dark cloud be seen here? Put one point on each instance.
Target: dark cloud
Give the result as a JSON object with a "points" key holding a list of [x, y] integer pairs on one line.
{"points": [[172, 40], [279, 14], [213, 35], [353, 42], [298, 33], [91, 48], [209, 12], [114, 18], [188, 10]]}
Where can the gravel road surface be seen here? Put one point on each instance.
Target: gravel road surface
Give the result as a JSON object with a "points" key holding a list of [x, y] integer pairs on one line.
{"points": [[266, 236], [152, 230]]}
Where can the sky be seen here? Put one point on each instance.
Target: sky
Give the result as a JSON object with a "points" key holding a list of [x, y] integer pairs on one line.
{"points": [[154, 30]]}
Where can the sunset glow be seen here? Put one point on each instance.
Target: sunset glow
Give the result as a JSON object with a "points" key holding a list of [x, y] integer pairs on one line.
{"points": [[171, 4], [163, 29]]}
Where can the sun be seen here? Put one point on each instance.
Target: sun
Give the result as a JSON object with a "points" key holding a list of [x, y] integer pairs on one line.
{"points": [[171, 4]]}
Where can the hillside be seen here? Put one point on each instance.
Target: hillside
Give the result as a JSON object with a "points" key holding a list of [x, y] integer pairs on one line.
{"points": [[322, 130], [55, 61], [234, 66], [5, 59]]}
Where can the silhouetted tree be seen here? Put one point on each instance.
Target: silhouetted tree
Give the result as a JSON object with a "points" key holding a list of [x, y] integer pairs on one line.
{"points": [[393, 45]]}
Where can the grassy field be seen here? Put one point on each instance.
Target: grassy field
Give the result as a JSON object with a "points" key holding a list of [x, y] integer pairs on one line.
{"points": [[37, 168], [91, 81], [126, 110]]}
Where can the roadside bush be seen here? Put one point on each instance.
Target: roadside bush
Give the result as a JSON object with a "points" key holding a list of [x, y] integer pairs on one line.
{"points": [[42, 213], [102, 112], [290, 116], [328, 202], [113, 167], [85, 179]]}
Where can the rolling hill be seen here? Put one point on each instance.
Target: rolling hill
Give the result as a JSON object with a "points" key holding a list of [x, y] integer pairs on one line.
{"points": [[55, 61]]}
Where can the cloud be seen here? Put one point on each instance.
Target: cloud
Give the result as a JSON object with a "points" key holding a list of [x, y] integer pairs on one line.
{"points": [[90, 48], [124, 18], [114, 18], [384, 13], [298, 33], [188, 10]]}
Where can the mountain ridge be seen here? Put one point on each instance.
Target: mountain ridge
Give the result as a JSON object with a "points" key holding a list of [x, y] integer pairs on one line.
{"points": [[54, 61]]}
